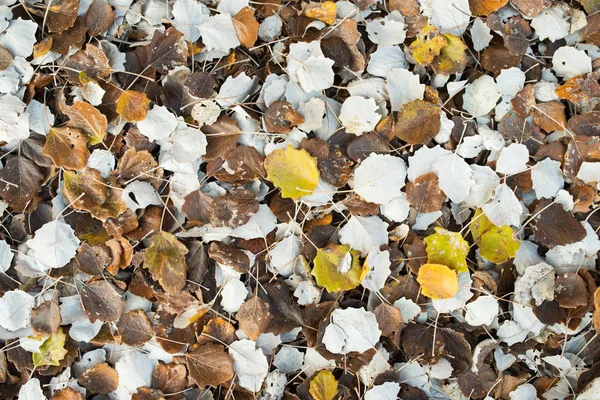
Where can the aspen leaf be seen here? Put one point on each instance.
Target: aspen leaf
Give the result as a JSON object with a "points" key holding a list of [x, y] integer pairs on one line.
{"points": [[338, 268], [497, 244], [165, 259], [293, 171], [427, 45], [417, 123], [132, 106], [67, 147], [85, 190], [486, 7], [52, 351], [87, 118], [452, 58], [254, 316], [323, 386], [447, 248], [246, 26], [325, 11], [438, 281], [210, 365]]}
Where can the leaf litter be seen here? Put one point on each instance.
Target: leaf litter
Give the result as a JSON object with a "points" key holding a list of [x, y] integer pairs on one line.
{"points": [[307, 200]]}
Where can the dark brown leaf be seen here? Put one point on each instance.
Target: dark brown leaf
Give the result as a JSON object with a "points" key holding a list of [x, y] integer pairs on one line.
{"points": [[424, 194], [553, 226], [167, 50], [280, 117], [169, 378], [233, 209], [210, 365], [99, 17], [45, 318], [20, 184], [135, 328], [102, 301], [101, 378]]}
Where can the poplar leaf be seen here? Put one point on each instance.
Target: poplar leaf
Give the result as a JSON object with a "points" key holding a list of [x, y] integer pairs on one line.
{"points": [[438, 281], [52, 351], [132, 106], [338, 268], [87, 118], [447, 248], [67, 147], [497, 244], [165, 259], [293, 171], [323, 386]]}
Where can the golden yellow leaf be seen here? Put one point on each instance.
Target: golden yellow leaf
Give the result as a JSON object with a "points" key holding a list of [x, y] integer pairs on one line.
{"points": [[438, 281], [293, 171], [427, 45], [325, 11], [486, 7], [323, 386], [447, 248], [338, 268], [452, 58], [497, 244], [67, 147], [52, 351], [132, 105], [165, 259]]}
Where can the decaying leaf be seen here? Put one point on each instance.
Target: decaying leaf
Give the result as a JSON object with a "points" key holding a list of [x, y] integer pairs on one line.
{"points": [[165, 259], [447, 248], [210, 365], [67, 147], [101, 378], [417, 123], [87, 118], [102, 301], [254, 317], [52, 351], [132, 106]]}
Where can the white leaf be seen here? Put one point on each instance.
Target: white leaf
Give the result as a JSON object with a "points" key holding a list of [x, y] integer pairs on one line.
{"points": [[140, 194], [482, 190], [525, 391], [260, 224], [408, 308], [470, 146], [379, 178], [14, 120], [412, 374], [547, 178], [41, 118], [307, 293], [158, 124], [275, 384], [270, 28], [314, 361], [32, 390], [6, 256], [513, 159], [307, 65], [481, 96], [510, 332], [510, 82], [282, 256], [573, 256], [15, 310], [505, 208], [53, 246], [403, 87], [313, 111], [364, 233], [187, 16], [385, 391], [84, 331], [379, 269], [420, 163], [568, 62], [460, 299], [377, 366], [218, 33], [441, 370], [589, 172], [369, 88], [482, 311], [189, 144], [480, 34], [384, 59], [537, 283], [359, 115], [235, 90], [352, 329], [449, 16], [551, 23], [397, 209], [135, 370], [387, 31], [234, 293], [102, 160], [423, 220], [289, 359], [231, 7], [455, 176], [249, 364], [93, 93], [19, 37]]}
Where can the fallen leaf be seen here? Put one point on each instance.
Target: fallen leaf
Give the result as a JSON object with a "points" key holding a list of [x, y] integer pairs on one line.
{"points": [[67, 147], [102, 301], [84, 190], [246, 27], [20, 183], [99, 17], [438, 281], [337, 268], [323, 386], [132, 106], [447, 248], [417, 123], [52, 351], [254, 317], [101, 378], [210, 365], [165, 259], [135, 328], [87, 118], [293, 171], [553, 226], [486, 7]]}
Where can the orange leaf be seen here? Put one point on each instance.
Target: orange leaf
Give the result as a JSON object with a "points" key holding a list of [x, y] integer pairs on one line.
{"points": [[438, 281], [486, 7], [324, 11], [246, 26], [132, 106], [67, 147]]}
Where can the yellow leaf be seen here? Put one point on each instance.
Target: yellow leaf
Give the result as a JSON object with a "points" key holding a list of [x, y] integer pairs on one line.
{"points": [[293, 171], [323, 386], [338, 268], [497, 244], [165, 259], [453, 57], [132, 106], [427, 45], [325, 11], [52, 351], [246, 27], [438, 281], [447, 248]]}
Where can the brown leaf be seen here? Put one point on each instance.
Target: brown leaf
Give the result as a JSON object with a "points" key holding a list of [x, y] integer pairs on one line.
{"points": [[101, 378], [135, 328], [389, 319], [72, 38], [136, 165], [67, 394], [486, 7], [167, 50], [86, 117], [92, 62], [360, 147], [246, 27], [45, 318], [210, 365], [417, 123], [424, 194], [583, 197], [530, 8], [84, 190], [165, 259], [20, 184], [571, 290], [280, 117], [59, 15], [496, 58], [358, 206], [222, 137], [246, 164], [5, 58], [286, 312], [233, 209], [169, 378], [92, 259], [254, 317], [99, 17], [591, 32], [524, 101], [132, 106], [230, 256], [550, 116], [121, 252], [553, 226], [587, 124], [67, 147], [102, 301], [336, 168], [337, 50], [197, 206], [113, 206], [218, 330]]}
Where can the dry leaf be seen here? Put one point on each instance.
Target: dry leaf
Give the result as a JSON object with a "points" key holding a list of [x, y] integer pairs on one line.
{"points": [[254, 317], [246, 27], [293, 171], [132, 106], [165, 259], [67, 147]]}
